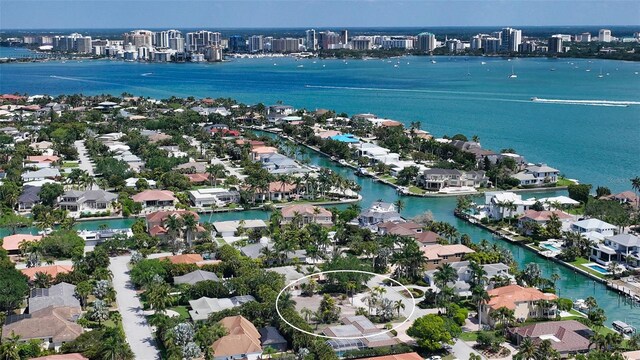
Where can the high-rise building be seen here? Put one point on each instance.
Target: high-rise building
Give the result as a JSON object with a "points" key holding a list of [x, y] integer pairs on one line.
{"points": [[361, 43], [237, 43], [510, 39], [198, 40], [476, 42], [491, 45], [213, 53], [344, 36], [397, 43], [139, 38], [285, 45], [555, 44], [585, 37], [176, 43], [454, 45], [604, 35], [161, 38], [328, 38], [311, 41], [83, 45], [426, 41], [256, 43], [527, 47]]}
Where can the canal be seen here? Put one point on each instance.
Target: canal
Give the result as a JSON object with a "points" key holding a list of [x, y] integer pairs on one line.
{"points": [[571, 285]]}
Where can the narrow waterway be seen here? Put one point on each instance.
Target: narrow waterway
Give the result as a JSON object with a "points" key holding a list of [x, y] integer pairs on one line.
{"points": [[571, 285]]}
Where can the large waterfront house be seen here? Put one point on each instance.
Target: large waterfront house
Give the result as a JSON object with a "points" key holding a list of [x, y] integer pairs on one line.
{"points": [[230, 228], [436, 255], [376, 153], [525, 302], [53, 326], [358, 333], [11, 243], [410, 229], [593, 225], [261, 151], [29, 197], [379, 212], [278, 191], [622, 248], [155, 199], [307, 213], [541, 218], [461, 285], [90, 201], [625, 197], [156, 221], [537, 175], [242, 341], [436, 179], [568, 337], [498, 204], [208, 197], [280, 164]]}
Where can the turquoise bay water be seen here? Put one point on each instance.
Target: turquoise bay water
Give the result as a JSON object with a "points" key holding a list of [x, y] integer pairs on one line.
{"points": [[595, 144]]}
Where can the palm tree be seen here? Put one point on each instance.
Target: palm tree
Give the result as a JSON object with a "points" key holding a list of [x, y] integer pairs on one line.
{"points": [[399, 205], [398, 305], [190, 225], [42, 280], [546, 351], [306, 314], [555, 277], [99, 311], [115, 346], [478, 274], [9, 349], [635, 185], [591, 303], [174, 225], [269, 351], [158, 296], [215, 171], [351, 288], [479, 296], [445, 274], [527, 350]]}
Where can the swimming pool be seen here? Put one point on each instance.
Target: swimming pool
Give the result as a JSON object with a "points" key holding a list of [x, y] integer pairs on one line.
{"points": [[551, 247], [599, 268]]}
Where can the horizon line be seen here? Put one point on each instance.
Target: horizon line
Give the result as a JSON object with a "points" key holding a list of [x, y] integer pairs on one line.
{"points": [[310, 27]]}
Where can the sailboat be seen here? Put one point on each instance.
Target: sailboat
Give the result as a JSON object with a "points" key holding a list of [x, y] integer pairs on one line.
{"points": [[513, 74], [600, 75]]}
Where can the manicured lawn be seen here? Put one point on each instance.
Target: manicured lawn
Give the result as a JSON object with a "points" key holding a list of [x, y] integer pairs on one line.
{"points": [[564, 182], [69, 164], [182, 310], [472, 335], [416, 190], [580, 264]]}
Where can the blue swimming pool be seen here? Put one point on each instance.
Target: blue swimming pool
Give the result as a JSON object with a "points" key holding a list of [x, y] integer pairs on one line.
{"points": [[551, 247], [598, 268]]}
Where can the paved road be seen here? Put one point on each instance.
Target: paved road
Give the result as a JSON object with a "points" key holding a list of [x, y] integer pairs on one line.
{"points": [[461, 350], [135, 324], [85, 162]]}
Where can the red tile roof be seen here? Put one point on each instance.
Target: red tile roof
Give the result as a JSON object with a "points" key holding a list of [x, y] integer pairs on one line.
{"points": [[406, 356], [508, 296], [12, 242], [52, 270], [149, 195]]}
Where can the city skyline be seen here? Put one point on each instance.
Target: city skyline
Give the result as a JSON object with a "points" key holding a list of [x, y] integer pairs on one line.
{"points": [[68, 14]]}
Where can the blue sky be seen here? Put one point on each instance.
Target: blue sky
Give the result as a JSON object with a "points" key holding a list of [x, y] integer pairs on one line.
{"points": [[39, 14]]}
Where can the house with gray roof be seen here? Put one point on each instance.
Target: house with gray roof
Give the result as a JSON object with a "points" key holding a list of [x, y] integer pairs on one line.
{"points": [[195, 277], [255, 251], [436, 179], [90, 201], [537, 175], [623, 248], [201, 308], [271, 337], [461, 284], [379, 212], [61, 294], [280, 164], [29, 197], [358, 332], [41, 174]]}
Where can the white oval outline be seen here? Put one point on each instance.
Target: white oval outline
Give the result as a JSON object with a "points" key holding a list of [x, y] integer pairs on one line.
{"points": [[346, 337]]}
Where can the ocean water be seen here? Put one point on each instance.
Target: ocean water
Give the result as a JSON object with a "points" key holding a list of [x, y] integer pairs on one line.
{"points": [[468, 95]]}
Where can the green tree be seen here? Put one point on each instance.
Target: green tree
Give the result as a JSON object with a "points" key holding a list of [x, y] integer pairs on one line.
{"points": [[328, 311], [14, 287], [579, 192], [430, 332], [12, 221], [49, 193]]}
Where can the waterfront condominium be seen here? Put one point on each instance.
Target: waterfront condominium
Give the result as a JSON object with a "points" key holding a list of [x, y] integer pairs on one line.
{"points": [[604, 35], [555, 44], [311, 41], [256, 43], [510, 40], [426, 41]]}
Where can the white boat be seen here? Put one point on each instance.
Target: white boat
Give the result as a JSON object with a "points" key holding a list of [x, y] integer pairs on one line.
{"points": [[513, 74], [483, 63], [623, 328], [433, 61], [600, 75], [343, 162], [300, 66]]}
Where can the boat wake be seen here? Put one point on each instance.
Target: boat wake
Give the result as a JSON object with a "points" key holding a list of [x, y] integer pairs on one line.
{"points": [[408, 90], [146, 74], [611, 103]]}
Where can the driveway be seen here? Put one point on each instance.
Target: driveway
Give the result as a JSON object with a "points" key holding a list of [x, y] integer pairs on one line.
{"points": [[85, 162], [462, 350], [135, 324]]}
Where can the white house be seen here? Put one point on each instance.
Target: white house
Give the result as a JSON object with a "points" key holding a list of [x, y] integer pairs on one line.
{"points": [[537, 175], [379, 212], [496, 203], [213, 196], [622, 248], [596, 225]]}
